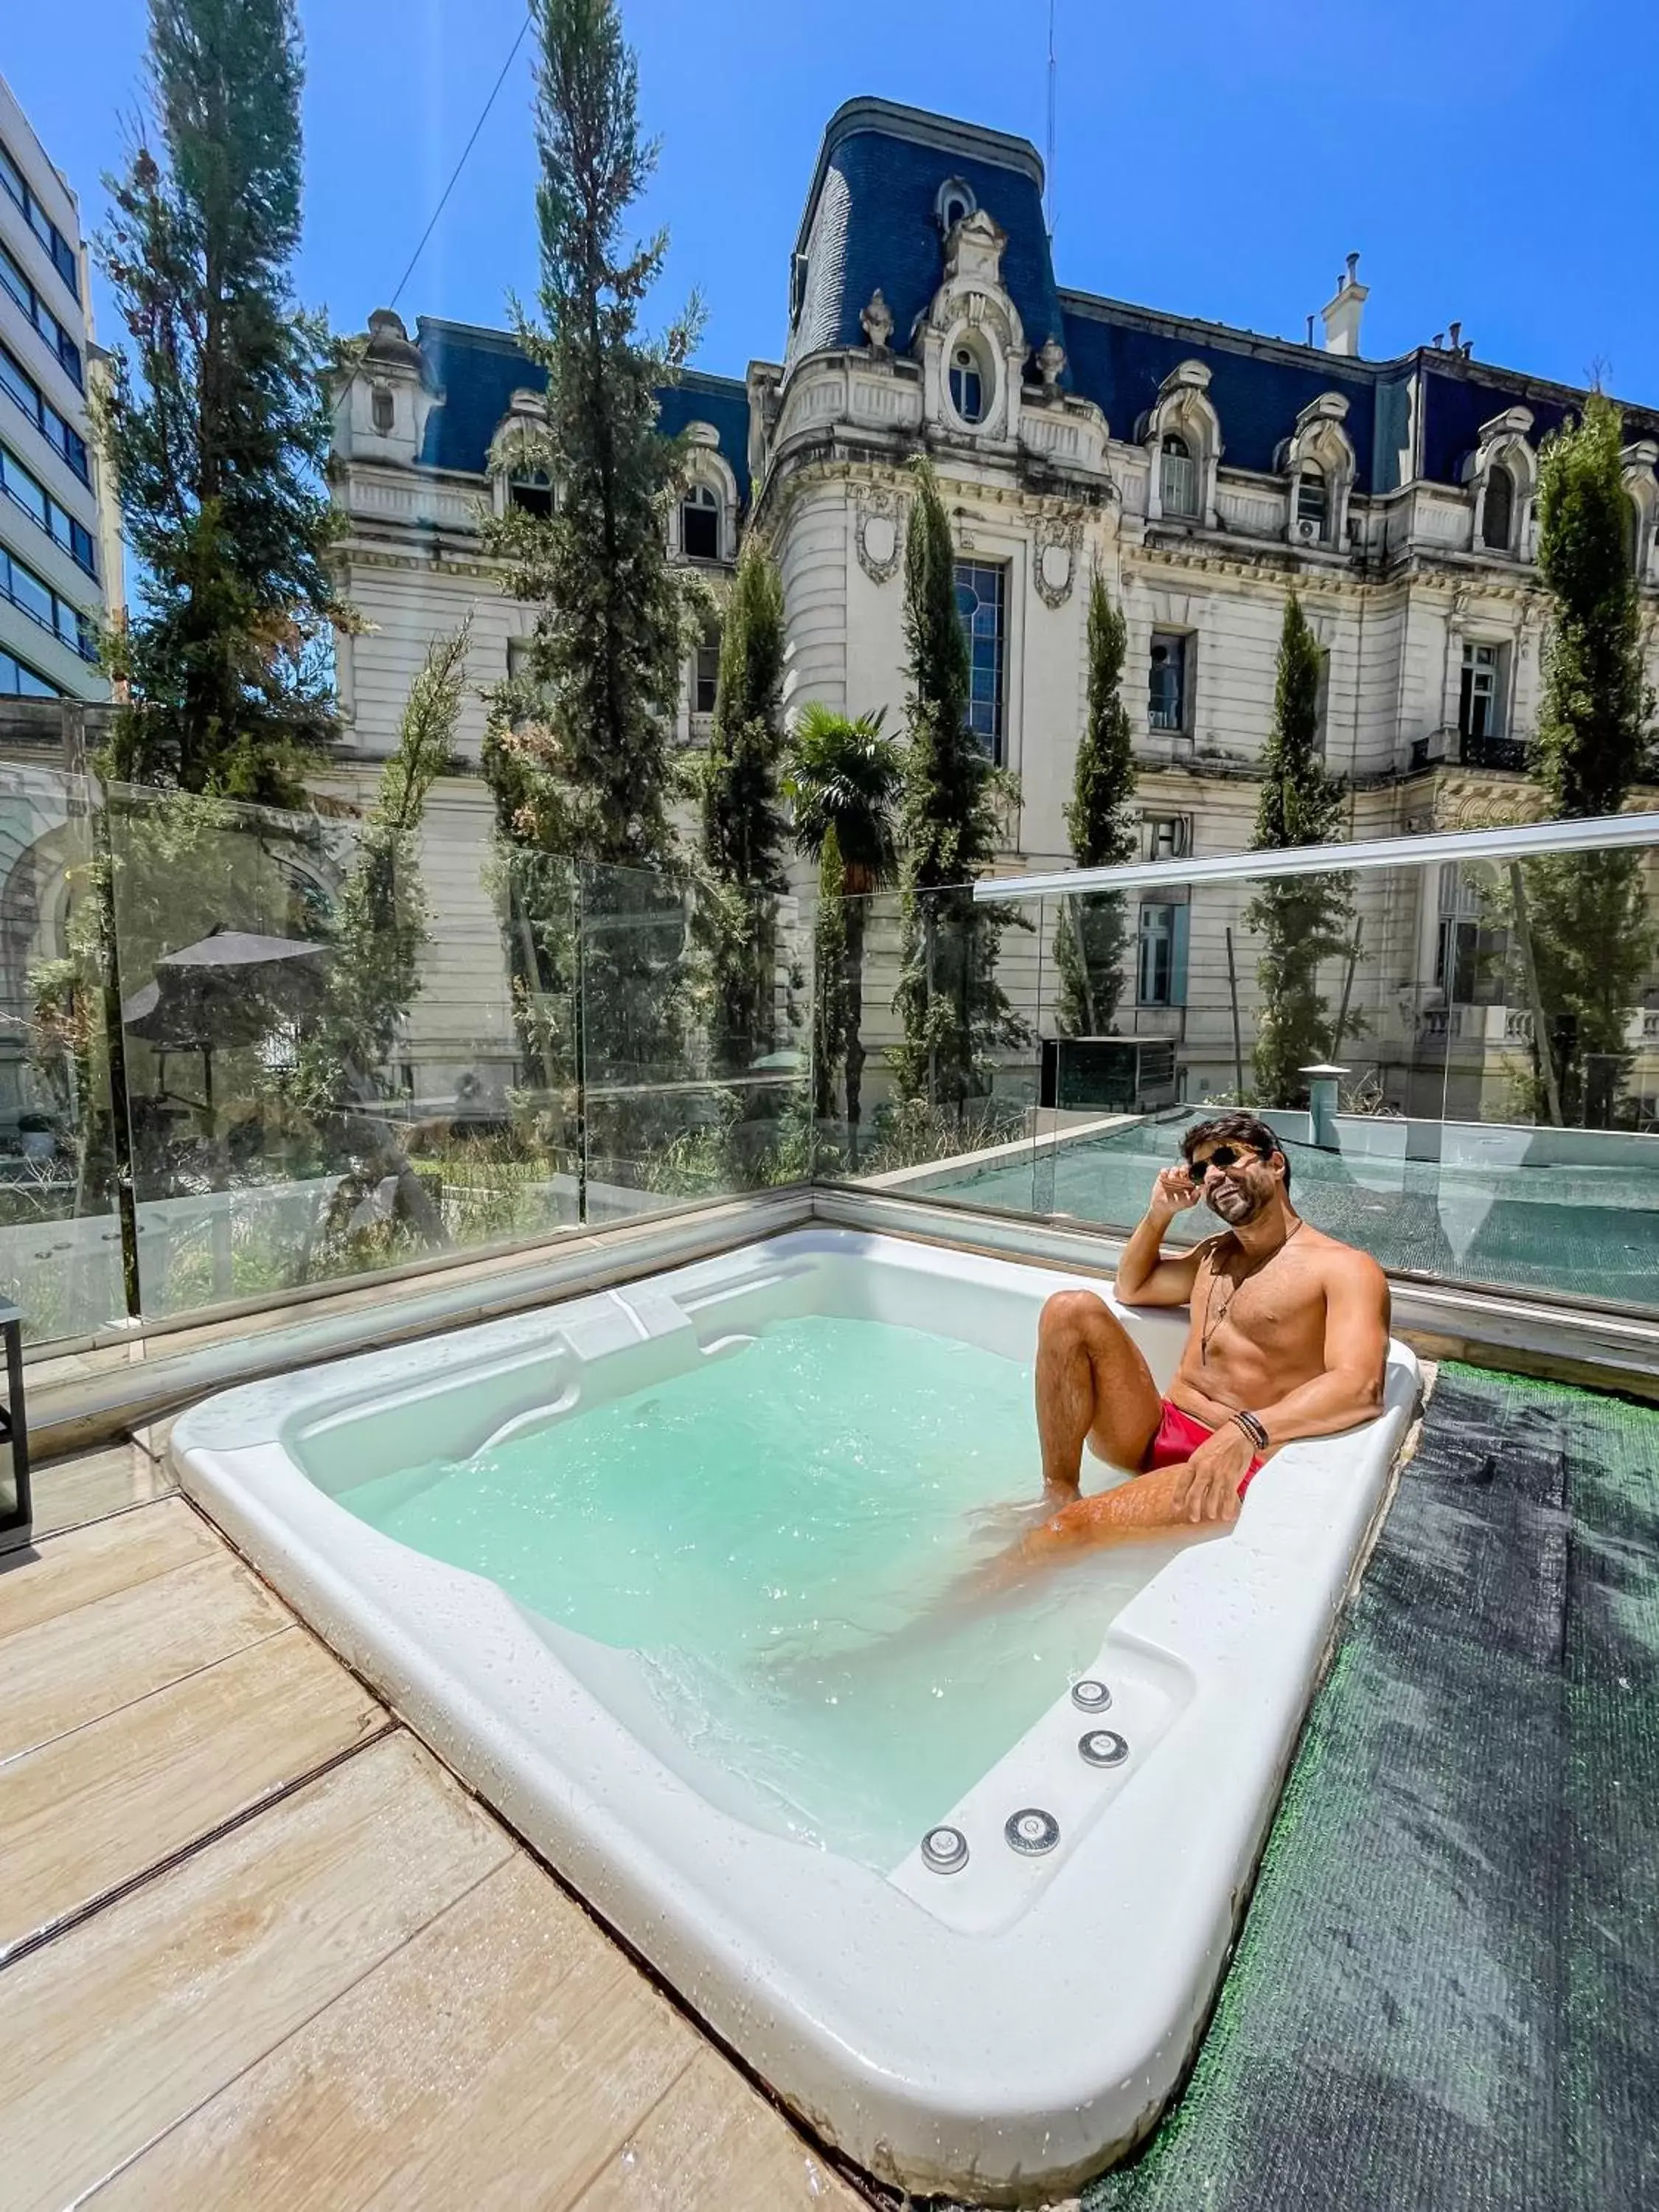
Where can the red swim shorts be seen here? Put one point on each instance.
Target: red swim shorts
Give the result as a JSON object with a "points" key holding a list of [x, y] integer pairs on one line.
{"points": [[1179, 1436]]}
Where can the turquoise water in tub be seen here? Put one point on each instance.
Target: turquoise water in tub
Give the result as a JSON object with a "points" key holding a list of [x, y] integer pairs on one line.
{"points": [[781, 1535]]}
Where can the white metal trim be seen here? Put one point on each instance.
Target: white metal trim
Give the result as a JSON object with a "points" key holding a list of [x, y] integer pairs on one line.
{"points": [[1597, 835]]}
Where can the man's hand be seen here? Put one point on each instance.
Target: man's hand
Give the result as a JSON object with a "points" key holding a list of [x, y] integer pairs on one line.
{"points": [[1174, 1191], [1206, 1488], [1145, 1277]]}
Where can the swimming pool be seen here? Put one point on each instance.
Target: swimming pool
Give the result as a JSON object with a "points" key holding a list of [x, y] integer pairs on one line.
{"points": [[1584, 1231], [666, 1573]]}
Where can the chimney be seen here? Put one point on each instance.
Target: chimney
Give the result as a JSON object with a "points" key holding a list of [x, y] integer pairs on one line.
{"points": [[1341, 313], [1455, 336]]}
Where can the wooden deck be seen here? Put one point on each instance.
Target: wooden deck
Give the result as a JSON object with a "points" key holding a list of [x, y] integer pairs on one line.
{"points": [[259, 1949]]}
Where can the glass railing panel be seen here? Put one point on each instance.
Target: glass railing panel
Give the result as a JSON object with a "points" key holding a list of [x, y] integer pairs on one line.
{"points": [[1546, 1170], [499, 1033], [332, 1063], [693, 1018], [936, 1069], [334, 1059], [60, 1229], [223, 920], [1111, 1026], [1385, 1022]]}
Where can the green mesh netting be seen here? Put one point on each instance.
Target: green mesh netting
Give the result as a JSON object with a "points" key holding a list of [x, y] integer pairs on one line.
{"points": [[1446, 1991]]}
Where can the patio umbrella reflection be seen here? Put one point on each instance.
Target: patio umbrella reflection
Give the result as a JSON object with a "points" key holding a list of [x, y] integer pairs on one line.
{"points": [[231, 989]]}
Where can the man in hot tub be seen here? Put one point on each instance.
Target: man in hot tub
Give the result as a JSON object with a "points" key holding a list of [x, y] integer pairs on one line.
{"points": [[1288, 1338]]}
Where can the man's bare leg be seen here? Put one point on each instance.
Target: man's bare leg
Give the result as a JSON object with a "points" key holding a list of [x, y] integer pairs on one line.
{"points": [[1150, 1506], [1093, 1387]]}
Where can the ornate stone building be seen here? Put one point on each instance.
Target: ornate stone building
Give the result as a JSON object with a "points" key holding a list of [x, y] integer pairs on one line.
{"points": [[1204, 471]]}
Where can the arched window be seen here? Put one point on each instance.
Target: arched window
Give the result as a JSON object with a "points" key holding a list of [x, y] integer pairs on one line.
{"points": [[384, 411], [531, 490], [967, 385], [1498, 516], [1312, 503], [700, 524], [1178, 477]]}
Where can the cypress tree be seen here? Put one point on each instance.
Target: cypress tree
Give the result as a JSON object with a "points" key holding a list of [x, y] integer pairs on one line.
{"points": [[831, 1006], [1303, 920], [578, 749], [744, 826], [1093, 930], [1582, 917], [374, 974], [595, 707], [1593, 725], [952, 1009], [215, 420]]}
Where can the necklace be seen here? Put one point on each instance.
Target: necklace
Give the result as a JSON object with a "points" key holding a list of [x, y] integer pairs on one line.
{"points": [[1213, 1319]]}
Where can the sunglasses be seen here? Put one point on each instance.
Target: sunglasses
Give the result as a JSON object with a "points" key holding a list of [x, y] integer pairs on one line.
{"points": [[1224, 1155]]}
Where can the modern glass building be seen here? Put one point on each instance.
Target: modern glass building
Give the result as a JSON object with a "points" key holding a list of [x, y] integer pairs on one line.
{"points": [[60, 556]]}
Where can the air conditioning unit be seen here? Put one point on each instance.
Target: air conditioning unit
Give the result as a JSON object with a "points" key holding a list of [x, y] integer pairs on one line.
{"points": [[1119, 1075], [1307, 532]]}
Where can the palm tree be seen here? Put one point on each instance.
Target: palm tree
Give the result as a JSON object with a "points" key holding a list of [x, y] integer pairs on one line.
{"points": [[844, 776]]}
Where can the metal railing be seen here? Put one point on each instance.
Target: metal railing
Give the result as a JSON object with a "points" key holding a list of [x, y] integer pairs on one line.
{"points": [[1601, 833]]}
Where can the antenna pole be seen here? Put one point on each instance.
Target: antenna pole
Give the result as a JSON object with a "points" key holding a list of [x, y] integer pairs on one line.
{"points": [[1048, 162]]}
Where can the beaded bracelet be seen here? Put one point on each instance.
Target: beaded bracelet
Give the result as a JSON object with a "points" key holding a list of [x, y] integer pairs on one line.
{"points": [[1253, 1429]]}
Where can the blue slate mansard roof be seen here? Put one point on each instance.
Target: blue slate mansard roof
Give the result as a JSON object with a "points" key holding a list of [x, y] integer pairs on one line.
{"points": [[1121, 355], [479, 370], [871, 220]]}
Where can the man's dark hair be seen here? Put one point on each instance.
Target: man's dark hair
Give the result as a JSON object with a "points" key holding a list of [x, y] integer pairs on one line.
{"points": [[1237, 1129]]}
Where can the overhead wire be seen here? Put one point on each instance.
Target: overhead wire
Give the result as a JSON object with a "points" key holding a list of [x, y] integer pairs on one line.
{"points": [[483, 117]]}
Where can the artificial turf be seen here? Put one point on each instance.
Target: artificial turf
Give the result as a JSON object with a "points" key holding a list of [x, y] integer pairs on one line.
{"points": [[1445, 1995]]}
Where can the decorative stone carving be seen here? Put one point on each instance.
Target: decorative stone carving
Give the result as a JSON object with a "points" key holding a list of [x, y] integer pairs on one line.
{"points": [[1466, 804], [877, 323], [974, 251], [1055, 547], [1051, 363], [879, 535]]}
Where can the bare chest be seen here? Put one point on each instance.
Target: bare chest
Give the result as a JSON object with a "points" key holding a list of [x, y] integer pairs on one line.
{"points": [[1276, 1310]]}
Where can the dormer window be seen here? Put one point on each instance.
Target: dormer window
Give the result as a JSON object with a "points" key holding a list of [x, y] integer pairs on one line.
{"points": [[1498, 516], [1182, 440], [1502, 473], [384, 411], [1319, 461], [531, 491], [700, 524], [1312, 502], [967, 385], [1178, 477]]}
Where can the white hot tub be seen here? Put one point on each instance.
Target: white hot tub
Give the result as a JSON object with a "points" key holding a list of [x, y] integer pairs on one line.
{"points": [[958, 1882]]}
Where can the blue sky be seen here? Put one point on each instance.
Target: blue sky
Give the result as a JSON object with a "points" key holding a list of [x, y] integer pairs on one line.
{"points": [[1497, 169]]}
